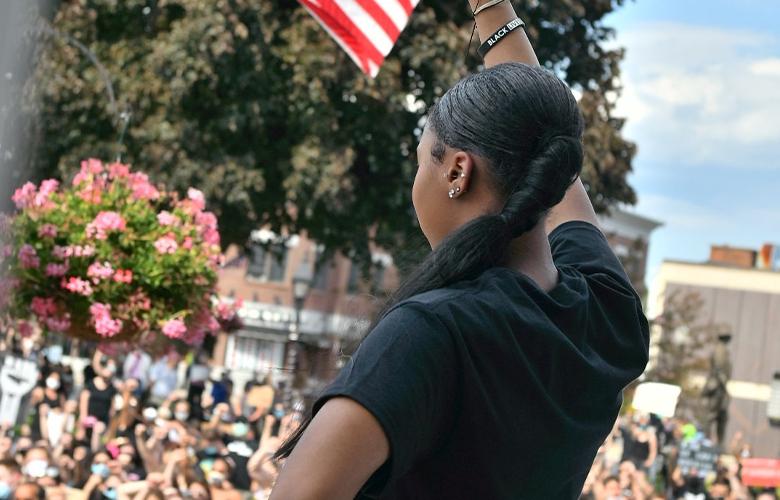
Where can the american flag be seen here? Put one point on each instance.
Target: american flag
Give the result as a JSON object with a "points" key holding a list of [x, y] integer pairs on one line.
{"points": [[365, 29]]}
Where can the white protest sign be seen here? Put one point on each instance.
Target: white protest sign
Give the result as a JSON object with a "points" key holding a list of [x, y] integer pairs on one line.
{"points": [[654, 397]]}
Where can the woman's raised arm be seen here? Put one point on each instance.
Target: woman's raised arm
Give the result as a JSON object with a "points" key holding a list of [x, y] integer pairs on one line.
{"points": [[515, 47]]}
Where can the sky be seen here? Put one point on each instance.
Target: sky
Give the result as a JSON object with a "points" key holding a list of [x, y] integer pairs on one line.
{"points": [[701, 91]]}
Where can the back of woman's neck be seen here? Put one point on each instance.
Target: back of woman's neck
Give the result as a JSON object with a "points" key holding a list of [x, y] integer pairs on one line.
{"points": [[530, 255]]}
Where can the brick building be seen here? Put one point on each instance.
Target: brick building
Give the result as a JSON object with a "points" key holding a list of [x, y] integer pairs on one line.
{"points": [[340, 303], [740, 289]]}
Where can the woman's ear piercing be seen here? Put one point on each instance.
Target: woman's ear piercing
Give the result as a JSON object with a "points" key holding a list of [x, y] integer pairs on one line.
{"points": [[451, 193], [463, 174], [457, 190]]}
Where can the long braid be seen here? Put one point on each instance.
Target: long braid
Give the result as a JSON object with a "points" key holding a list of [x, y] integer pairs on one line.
{"points": [[543, 187]]}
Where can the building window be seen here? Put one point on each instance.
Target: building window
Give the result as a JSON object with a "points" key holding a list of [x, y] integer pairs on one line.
{"points": [[354, 278], [267, 263], [356, 283], [377, 277], [322, 275]]}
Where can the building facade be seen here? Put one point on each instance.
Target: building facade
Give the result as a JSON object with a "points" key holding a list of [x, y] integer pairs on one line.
{"points": [[340, 302], [745, 298], [334, 313], [628, 234]]}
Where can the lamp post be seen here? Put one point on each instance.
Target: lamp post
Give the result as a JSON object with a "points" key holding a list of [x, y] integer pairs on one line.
{"points": [[301, 283]]}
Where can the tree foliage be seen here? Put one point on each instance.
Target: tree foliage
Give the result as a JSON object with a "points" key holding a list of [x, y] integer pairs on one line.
{"points": [[685, 342], [255, 104]]}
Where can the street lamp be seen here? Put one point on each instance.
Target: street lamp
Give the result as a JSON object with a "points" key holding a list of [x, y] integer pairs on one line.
{"points": [[301, 283]]}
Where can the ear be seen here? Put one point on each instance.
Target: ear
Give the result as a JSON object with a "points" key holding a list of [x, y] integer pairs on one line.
{"points": [[459, 172]]}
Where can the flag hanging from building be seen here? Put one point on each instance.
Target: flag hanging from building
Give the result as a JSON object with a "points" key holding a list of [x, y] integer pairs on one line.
{"points": [[365, 29]]}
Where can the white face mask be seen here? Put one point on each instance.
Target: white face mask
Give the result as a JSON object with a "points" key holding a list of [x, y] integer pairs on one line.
{"points": [[150, 413], [36, 468], [53, 383]]}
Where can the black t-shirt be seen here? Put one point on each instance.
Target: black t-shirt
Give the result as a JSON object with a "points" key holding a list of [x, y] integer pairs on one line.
{"points": [[99, 404], [493, 388]]}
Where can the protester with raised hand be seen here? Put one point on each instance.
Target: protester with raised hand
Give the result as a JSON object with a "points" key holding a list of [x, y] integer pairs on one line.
{"points": [[521, 319]]}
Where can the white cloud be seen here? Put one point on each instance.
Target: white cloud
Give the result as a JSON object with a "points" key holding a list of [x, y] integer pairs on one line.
{"points": [[680, 214], [702, 96], [766, 67]]}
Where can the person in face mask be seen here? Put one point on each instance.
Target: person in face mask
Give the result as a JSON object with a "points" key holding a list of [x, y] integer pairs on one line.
{"points": [[241, 444], [10, 476], [219, 481], [52, 397], [181, 412], [36, 462], [99, 484]]}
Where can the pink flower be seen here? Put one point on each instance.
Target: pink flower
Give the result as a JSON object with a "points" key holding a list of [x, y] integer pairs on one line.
{"points": [[48, 187], [206, 219], [85, 251], [29, 257], [211, 236], [226, 311], [166, 244], [43, 307], [105, 325], [197, 198], [142, 188], [56, 270], [104, 223], [58, 323], [47, 231], [123, 276], [98, 272], [24, 196], [195, 337], [24, 328], [92, 166], [62, 252], [174, 329], [118, 171], [77, 285], [166, 218], [187, 243]]}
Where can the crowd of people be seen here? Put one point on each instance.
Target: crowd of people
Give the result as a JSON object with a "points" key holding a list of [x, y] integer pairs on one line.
{"points": [[641, 460], [135, 427]]}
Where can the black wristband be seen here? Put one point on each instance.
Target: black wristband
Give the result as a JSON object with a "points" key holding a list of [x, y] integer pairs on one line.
{"points": [[499, 35]]}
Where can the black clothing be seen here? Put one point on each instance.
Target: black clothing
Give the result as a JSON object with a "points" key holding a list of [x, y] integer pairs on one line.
{"points": [[240, 451], [634, 451], [99, 404], [492, 388]]}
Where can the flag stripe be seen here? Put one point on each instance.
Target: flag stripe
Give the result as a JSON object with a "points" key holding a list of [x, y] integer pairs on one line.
{"points": [[334, 18], [381, 17], [365, 29], [366, 24], [407, 5], [353, 52], [396, 12]]}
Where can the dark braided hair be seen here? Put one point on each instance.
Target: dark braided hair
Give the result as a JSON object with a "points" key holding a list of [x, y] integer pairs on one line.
{"points": [[525, 123]]}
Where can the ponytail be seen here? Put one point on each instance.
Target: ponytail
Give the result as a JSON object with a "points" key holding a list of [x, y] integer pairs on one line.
{"points": [[526, 124]]}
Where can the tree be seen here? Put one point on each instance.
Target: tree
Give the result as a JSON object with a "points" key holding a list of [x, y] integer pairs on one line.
{"points": [[253, 102], [684, 346]]}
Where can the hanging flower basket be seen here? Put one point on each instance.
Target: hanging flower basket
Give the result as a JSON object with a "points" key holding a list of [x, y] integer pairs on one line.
{"points": [[112, 258]]}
